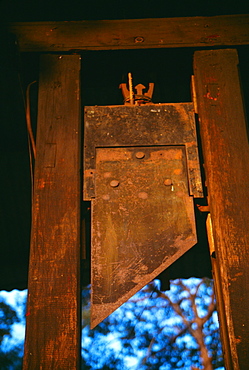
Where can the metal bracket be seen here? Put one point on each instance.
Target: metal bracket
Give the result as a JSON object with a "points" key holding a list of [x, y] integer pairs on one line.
{"points": [[139, 97]]}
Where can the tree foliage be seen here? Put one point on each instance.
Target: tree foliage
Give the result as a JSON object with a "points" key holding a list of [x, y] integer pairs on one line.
{"points": [[177, 329], [154, 330], [10, 358]]}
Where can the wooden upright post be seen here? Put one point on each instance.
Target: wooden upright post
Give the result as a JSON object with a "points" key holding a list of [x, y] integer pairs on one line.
{"points": [[226, 159], [53, 312]]}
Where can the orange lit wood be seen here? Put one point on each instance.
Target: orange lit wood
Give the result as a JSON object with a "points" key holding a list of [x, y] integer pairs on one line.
{"points": [[53, 312], [132, 33], [226, 157]]}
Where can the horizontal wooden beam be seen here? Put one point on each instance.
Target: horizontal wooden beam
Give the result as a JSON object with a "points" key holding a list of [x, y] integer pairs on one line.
{"points": [[132, 33]]}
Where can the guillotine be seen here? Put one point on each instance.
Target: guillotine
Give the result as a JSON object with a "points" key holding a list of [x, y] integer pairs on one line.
{"points": [[53, 313]]}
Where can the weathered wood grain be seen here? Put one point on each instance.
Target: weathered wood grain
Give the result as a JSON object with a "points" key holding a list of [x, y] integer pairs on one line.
{"points": [[132, 33], [226, 157], [53, 312]]}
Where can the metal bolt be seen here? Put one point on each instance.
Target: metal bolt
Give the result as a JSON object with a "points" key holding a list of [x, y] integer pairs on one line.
{"points": [[139, 39], [168, 182], [140, 155], [114, 183]]}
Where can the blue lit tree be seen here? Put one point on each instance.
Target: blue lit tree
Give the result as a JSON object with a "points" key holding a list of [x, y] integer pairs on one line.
{"points": [[177, 329], [10, 356], [155, 330]]}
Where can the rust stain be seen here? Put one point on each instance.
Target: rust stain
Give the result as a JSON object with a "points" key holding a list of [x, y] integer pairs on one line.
{"points": [[183, 113], [209, 96], [239, 274], [210, 79], [89, 173], [42, 183], [213, 91], [237, 339], [110, 155], [168, 154], [177, 171], [213, 37], [235, 277]]}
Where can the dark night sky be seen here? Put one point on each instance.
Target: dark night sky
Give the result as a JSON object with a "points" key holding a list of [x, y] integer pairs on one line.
{"points": [[57, 10]]}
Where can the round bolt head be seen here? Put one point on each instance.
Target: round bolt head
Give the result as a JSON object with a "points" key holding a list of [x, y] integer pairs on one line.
{"points": [[114, 183], [140, 155], [168, 182]]}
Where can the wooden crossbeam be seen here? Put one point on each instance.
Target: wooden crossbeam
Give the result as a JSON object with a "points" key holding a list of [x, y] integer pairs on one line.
{"points": [[132, 33]]}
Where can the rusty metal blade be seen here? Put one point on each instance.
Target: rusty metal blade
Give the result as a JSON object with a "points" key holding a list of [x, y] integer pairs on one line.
{"points": [[142, 221]]}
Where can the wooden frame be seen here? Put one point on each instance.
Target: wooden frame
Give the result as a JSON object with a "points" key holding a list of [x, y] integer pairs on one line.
{"points": [[201, 32], [226, 158]]}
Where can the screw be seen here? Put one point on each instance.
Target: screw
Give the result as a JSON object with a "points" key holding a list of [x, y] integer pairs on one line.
{"points": [[139, 39], [140, 155], [114, 183], [168, 182]]}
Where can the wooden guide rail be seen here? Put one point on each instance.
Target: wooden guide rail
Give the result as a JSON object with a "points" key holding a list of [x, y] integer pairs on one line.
{"points": [[226, 158], [53, 310], [131, 33]]}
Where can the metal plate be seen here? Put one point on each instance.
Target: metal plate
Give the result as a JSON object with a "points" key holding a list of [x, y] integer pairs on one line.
{"points": [[155, 124], [142, 220]]}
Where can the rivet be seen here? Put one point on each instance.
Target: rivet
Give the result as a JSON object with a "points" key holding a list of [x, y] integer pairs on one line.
{"points": [[114, 183], [168, 182], [107, 174], [143, 195], [140, 155]]}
